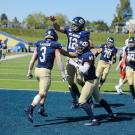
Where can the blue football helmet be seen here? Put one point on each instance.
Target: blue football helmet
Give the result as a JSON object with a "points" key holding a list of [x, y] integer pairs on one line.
{"points": [[82, 46], [110, 41], [131, 42], [51, 34], [78, 24]]}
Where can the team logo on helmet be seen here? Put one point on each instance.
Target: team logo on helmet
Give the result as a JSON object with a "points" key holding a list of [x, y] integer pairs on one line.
{"points": [[82, 46]]}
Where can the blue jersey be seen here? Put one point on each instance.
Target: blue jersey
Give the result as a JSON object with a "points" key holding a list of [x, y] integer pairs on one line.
{"points": [[74, 37], [130, 52], [107, 53], [1, 45], [46, 53], [88, 57]]}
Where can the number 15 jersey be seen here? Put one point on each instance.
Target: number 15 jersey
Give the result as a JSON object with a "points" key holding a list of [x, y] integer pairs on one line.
{"points": [[46, 53]]}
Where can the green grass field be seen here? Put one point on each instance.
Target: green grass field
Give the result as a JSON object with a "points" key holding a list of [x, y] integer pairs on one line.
{"points": [[13, 76], [97, 38], [13, 72]]}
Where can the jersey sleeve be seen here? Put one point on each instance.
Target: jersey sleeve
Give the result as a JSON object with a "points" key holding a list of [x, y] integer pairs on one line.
{"points": [[36, 44], [66, 29], [57, 45], [88, 57], [85, 35]]}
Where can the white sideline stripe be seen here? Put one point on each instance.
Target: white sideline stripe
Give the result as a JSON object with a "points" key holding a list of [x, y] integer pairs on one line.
{"points": [[32, 90], [16, 56], [25, 80], [60, 91], [36, 80]]}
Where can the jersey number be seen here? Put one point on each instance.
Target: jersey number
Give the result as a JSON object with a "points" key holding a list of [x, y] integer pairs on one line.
{"points": [[43, 50], [107, 54], [72, 43]]}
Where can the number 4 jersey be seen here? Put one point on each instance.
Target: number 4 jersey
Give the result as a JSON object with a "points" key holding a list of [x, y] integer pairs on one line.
{"points": [[74, 37], [46, 53]]}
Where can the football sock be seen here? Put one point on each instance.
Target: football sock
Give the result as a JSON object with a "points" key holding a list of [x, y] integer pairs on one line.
{"points": [[106, 106], [73, 94], [37, 99], [131, 87], [86, 107], [120, 83], [75, 88]]}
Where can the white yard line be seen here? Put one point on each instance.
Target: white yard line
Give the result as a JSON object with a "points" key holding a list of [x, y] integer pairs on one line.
{"points": [[16, 56]]}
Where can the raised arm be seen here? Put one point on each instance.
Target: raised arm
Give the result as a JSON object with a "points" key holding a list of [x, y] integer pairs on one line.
{"points": [[55, 24]]}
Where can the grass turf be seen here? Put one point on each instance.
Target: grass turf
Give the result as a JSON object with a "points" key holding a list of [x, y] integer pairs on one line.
{"points": [[63, 120], [13, 76]]}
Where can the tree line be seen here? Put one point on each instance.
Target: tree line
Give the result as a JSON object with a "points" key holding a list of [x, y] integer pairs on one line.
{"points": [[39, 20]]}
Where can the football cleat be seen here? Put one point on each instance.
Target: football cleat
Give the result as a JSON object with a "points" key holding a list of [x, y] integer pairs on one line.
{"points": [[112, 116], [91, 103], [119, 90], [93, 122], [42, 112], [29, 114], [75, 105]]}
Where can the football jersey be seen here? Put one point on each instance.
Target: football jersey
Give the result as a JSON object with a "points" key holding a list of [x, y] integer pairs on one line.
{"points": [[107, 53], [86, 57], [1, 45], [46, 53], [130, 52], [74, 37]]}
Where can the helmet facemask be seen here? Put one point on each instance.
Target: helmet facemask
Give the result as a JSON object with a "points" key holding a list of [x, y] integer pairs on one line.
{"points": [[75, 27], [131, 42]]}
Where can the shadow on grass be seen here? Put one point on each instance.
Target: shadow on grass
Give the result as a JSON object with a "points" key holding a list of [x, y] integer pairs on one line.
{"points": [[61, 120], [120, 117], [102, 119], [112, 105]]}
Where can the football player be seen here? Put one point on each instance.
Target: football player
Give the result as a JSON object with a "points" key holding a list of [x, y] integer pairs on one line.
{"points": [[0, 49], [45, 52], [4, 49], [107, 58], [120, 65], [74, 33], [129, 65], [85, 65]]}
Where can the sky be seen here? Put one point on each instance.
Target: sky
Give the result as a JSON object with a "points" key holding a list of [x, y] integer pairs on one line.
{"points": [[91, 10]]}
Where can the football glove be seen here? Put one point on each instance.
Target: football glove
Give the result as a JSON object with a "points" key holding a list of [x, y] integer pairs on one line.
{"points": [[72, 62], [29, 74], [52, 18]]}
